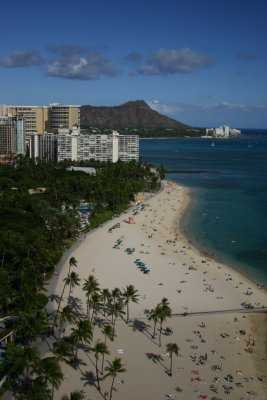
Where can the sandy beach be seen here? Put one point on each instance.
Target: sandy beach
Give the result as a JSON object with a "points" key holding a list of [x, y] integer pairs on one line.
{"points": [[222, 351]]}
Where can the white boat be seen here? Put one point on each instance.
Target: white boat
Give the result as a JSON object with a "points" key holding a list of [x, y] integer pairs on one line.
{"points": [[212, 143], [250, 145]]}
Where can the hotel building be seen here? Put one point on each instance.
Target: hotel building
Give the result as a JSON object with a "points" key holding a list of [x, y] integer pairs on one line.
{"points": [[71, 145], [40, 119], [43, 146], [11, 136]]}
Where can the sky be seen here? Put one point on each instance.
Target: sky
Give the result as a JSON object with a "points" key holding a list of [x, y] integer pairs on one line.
{"points": [[201, 62]]}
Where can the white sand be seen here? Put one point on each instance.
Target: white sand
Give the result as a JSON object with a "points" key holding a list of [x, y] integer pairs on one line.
{"points": [[209, 286]]}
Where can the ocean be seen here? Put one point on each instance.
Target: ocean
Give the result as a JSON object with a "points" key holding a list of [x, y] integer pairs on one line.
{"points": [[228, 186]]}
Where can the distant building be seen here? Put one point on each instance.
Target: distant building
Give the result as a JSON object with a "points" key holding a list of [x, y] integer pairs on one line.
{"points": [[87, 170], [63, 117], [11, 136], [44, 146], [40, 119], [222, 132], [128, 147]]}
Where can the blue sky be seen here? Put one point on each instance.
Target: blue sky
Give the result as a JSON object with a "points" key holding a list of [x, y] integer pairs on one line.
{"points": [[201, 62]]}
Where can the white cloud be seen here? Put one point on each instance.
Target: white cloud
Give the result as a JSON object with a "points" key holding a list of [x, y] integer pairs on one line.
{"points": [[72, 66], [168, 109], [22, 59], [165, 62]]}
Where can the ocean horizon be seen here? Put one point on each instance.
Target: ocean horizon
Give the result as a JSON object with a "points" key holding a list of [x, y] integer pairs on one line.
{"points": [[228, 188]]}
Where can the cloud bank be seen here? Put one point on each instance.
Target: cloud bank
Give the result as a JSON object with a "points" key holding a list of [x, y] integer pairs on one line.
{"points": [[90, 67], [80, 63], [214, 114], [76, 62], [166, 62], [20, 59]]}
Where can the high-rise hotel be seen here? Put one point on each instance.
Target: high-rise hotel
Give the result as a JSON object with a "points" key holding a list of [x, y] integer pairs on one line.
{"points": [[40, 119], [11, 137], [74, 146]]}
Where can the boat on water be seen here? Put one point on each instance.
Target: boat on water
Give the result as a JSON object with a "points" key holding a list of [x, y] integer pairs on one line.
{"points": [[250, 145], [213, 144]]}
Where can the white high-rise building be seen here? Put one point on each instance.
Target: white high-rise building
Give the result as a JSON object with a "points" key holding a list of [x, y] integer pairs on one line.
{"points": [[79, 147], [128, 147], [71, 145], [223, 131]]}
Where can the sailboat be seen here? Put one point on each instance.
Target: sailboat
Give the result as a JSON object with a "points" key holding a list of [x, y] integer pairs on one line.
{"points": [[213, 144], [250, 145]]}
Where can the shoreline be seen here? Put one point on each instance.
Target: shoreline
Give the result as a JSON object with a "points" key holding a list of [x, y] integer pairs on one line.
{"points": [[219, 259], [192, 282]]}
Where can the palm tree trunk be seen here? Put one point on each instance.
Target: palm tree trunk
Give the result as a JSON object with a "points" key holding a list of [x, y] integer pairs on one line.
{"points": [[92, 316], [102, 366], [61, 297], [160, 331], [127, 313], [76, 354], [111, 389], [171, 365], [154, 332], [104, 308], [97, 375], [87, 308]]}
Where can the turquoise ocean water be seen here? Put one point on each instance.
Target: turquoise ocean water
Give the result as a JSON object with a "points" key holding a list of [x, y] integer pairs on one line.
{"points": [[228, 182]]}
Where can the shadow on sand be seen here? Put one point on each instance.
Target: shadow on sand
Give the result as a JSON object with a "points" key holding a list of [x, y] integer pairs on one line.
{"points": [[157, 359]]}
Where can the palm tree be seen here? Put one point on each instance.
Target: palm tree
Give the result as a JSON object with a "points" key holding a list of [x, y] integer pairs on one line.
{"points": [[51, 373], [108, 332], [72, 263], [74, 396], [38, 391], [66, 315], [105, 296], [31, 325], [130, 294], [82, 334], [153, 316], [115, 295], [114, 368], [163, 311], [116, 310], [18, 364], [90, 286], [100, 348], [95, 304], [172, 348], [63, 349], [72, 280]]}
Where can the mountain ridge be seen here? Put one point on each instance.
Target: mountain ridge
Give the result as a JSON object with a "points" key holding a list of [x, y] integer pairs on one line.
{"points": [[132, 114]]}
